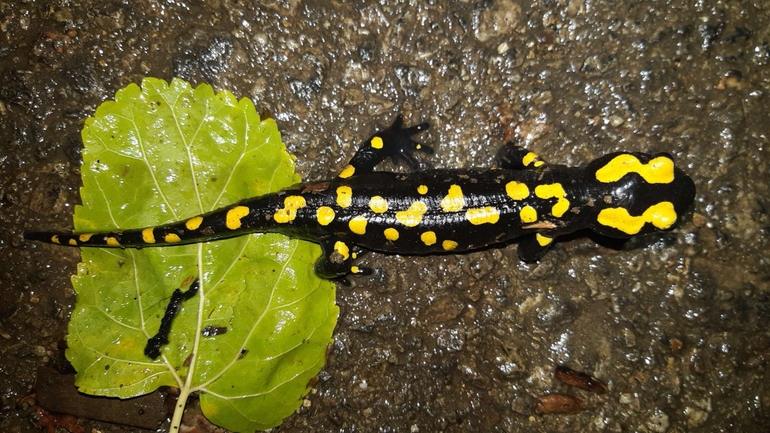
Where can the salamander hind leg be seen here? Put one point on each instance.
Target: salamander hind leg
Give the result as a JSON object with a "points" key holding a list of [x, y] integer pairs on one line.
{"points": [[513, 157], [395, 142], [337, 260]]}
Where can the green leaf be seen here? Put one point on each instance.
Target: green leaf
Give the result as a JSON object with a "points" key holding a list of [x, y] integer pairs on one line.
{"points": [[163, 153]]}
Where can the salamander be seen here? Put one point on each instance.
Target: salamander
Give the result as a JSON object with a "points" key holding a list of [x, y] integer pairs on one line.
{"points": [[438, 210]]}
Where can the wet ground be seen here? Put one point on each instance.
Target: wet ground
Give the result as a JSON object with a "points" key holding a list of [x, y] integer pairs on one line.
{"points": [[677, 325]]}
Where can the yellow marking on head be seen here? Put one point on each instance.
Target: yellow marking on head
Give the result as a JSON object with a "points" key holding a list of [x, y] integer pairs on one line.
{"points": [[357, 225], [344, 196], [378, 204], [324, 215], [112, 241], [342, 249], [85, 237], [148, 236], [288, 213], [376, 142], [454, 200], [538, 163], [554, 190], [528, 158], [72, 242], [347, 172], [391, 234], [55, 239], [412, 216], [448, 245], [428, 238], [482, 215], [517, 190], [658, 170], [528, 214], [661, 215], [422, 189], [193, 223], [543, 240], [172, 238], [234, 215]]}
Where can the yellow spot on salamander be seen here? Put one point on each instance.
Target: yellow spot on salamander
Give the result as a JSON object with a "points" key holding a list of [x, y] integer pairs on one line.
{"points": [[412, 216], [454, 200], [113, 242], [72, 242], [538, 163], [528, 214], [428, 238], [483, 215], [148, 236], [422, 189], [342, 249], [193, 223], [55, 239], [325, 215], [528, 158], [354, 270], [288, 213], [391, 234], [344, 196], [378, 204], [658, 170], [85, 237], [233, 217], [172, 238], [347, 172], [661, 215], [448, 245], [543, 240], [516, 190], [376, 142], [554, 190], [294, 202], [357, 225]]}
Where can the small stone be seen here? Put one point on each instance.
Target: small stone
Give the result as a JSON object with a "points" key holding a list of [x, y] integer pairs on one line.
{"points": [[658, 422], [616, 120]]}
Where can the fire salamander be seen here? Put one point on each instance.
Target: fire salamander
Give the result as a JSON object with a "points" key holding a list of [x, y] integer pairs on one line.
{"points": [[438, 211]]}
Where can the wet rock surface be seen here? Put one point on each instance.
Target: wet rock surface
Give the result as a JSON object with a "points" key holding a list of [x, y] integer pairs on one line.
{"points": [[677, 325]]}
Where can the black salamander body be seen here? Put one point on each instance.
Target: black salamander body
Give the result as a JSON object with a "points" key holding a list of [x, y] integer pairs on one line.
{"points": [[438, 211]]}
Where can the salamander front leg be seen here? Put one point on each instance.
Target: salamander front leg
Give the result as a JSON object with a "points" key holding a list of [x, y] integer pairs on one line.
{"points": [[533, 247], [337, 260], [394, 142], [513, 157]]}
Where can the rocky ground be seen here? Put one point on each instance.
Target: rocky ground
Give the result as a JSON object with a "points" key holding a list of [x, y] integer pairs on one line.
{"points": [[676, 324]]}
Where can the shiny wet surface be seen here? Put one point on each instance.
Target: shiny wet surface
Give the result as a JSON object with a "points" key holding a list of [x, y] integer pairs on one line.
{"points": [[676, 325]]}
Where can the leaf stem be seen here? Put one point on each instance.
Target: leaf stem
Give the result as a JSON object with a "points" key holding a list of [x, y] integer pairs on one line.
{"points": [[187, 388], [181, 402]]}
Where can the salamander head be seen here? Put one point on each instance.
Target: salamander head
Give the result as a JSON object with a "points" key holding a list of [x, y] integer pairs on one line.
{"points": [[637, 193]]}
